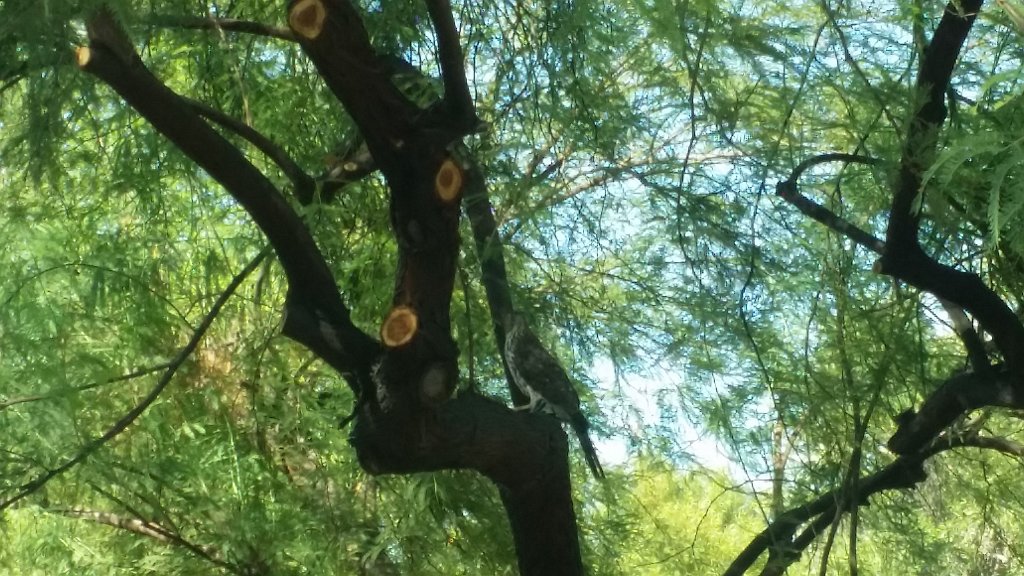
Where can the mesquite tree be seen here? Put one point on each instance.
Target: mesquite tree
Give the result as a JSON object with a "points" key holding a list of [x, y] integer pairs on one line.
{"points": [[185, 190]]}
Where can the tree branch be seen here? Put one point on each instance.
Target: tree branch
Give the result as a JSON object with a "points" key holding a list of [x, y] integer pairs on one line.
{"points": [[933, 79], [148, 529], [122, 423], [303, 183], [225, 24], [72, 389], [956, 396], [493, 274], [457, 97], [904, 258], [787, 190], [332, 34], [905, 472], [111, 57]]}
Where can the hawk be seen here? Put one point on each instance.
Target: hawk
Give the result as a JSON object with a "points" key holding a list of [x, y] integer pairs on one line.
{"points": [[539, 375]]}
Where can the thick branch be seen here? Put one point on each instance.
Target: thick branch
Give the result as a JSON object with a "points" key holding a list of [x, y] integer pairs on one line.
{"points": [[932, 82], [904, 257], [111, 57], [526, 454], [966, 290], [957, 395], [332, 34], [903, 473]]}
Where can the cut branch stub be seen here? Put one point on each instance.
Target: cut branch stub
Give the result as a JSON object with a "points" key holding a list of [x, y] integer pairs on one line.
{"points": [[399, 327], [306, 18], [448, 182], [436, 384], [82, 55]]}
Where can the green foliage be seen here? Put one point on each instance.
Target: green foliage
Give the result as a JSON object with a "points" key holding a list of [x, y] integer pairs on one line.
{"points": [[629, 157]]}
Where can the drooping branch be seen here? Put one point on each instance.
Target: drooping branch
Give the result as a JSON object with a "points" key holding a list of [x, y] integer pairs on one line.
{"points": [[959, 394], [126, 420]]}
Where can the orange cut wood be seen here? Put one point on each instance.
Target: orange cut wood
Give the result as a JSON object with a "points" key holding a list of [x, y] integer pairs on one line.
{"points": [[399, 327]]}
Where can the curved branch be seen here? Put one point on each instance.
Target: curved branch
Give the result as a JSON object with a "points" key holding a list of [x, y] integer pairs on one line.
{"points": [[787, 190], [830, 157], [303, 182], [785, 547], [122, 423], [112, 58]]}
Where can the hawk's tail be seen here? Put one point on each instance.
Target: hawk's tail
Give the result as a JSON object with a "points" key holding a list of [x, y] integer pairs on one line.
{"points": [[581, 426]]}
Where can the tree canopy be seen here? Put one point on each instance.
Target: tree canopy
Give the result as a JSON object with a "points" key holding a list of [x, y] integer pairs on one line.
{"points": [[258, 260]]}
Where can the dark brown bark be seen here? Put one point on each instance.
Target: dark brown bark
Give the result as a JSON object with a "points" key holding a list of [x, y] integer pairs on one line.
{"points": [[918, 436], [784, 545], [904, 258], [405, 421]]}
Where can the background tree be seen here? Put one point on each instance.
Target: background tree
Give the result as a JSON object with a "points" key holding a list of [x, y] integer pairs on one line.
{"points": [[380, 183]]}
